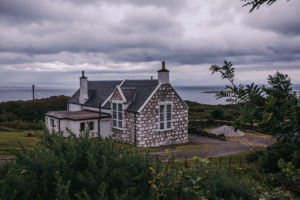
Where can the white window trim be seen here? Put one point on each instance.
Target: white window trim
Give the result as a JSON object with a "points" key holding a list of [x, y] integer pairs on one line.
{"points": [[165, 116], [123, 120]]}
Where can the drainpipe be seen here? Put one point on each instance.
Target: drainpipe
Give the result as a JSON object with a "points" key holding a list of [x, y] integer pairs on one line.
{"points": [[135, 129]]}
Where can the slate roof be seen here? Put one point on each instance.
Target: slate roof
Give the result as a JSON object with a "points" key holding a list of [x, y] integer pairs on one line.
{"points": [[135, 91], [144, 89], [129, 94], [98, 92]]}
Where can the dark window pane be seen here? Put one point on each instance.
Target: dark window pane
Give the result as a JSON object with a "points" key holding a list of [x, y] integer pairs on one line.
{"points": [[168, 116], [114, 106], [162, 126], [168, 124], [91, 126], [169, 108], [120, 107], [114, 123], [161, 117], [52, 123], [120, 124], [82, 126], [161, 108], [114, 115], [120, 115]]}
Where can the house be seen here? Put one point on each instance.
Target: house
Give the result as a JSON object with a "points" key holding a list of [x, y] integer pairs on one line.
{"points": [[145, 113]]}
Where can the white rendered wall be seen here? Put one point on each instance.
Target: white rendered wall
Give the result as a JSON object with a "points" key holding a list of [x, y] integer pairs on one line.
{"points": [[74, 126], [105, 127], [48, 124], [74, 107]]}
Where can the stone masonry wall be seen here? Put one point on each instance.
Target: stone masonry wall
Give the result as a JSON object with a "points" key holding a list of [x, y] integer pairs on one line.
{"points": [[126, 134], [148, 133]]}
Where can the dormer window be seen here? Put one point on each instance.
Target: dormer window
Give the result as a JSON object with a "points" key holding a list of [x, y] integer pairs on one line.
{"points": [[117, 115], [165, 116]]}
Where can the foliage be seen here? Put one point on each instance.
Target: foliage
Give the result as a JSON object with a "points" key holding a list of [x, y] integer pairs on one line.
{"points": [[95, 168], [291, 176], [217, 114], [23, 110], [279, 150], [197, 182], [20, 115], [272, 108], [76, 168], [199, 111], [255, 4]]}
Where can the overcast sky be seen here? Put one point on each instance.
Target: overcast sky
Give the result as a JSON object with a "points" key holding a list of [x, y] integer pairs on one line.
{"points": [[53, 40]]}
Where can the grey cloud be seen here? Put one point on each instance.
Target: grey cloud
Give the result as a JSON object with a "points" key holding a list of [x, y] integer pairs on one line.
{"points": [[79, 32], [282, 18]]}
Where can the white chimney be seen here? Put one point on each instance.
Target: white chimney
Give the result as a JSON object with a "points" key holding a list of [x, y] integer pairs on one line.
{"points": [[163, 74], [83, 97]]}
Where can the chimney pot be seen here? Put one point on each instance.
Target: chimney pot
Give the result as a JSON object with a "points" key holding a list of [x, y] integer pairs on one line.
{"points": [[82, 73], [151, 78], [163, 65]]}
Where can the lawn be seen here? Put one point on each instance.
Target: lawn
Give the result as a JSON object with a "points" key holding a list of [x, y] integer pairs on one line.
{"points": [[178, 147], [11, 140]]}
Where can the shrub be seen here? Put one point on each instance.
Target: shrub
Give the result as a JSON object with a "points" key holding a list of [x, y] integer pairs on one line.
{"points": [[76, 168], [217, 114], [226, 185], [287, 151]]}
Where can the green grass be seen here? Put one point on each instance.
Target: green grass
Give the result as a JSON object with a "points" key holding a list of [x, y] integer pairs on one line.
{"points": [[10, 140], [187, 146]]}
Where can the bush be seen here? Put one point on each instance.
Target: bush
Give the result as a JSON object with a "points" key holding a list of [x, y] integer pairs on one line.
{"points": [[285, 150], [227, 185], [76, 168], [217, 114]]}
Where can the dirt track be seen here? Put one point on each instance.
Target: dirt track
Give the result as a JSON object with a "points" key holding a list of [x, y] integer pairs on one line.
{"points": [[219, 148]]}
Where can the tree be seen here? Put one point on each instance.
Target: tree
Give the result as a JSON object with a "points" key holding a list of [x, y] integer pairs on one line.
{"points": [[255, 4], [272, 108]]}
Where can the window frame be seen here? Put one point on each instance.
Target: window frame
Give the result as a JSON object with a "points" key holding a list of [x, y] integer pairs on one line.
{"points": [[117, 115], [165, 118]]}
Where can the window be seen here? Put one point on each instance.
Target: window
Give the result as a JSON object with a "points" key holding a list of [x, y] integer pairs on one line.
{"points": [[52, 123], [117, 115], [91, 126], [82, 126], [165, 116]]}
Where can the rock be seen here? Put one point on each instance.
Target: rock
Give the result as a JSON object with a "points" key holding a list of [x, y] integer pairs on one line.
{"points": [[227, 131]]}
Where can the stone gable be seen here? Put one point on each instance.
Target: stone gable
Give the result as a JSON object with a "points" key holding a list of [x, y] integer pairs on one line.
{"points": [[116, 95], [147, 121], [148, 133]]}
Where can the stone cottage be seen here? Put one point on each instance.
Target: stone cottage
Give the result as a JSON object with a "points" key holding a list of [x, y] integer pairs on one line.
{"points": [[145, 113]]}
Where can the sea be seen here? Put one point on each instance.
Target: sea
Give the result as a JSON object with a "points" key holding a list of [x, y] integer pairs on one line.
{"points": [[16, 91]]}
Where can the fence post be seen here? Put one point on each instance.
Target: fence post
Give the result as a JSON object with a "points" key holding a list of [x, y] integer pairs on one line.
{"points": [[185, 162]]}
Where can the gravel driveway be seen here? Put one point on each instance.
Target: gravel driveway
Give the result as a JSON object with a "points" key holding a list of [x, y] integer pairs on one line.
{"points": [[219, 148]]}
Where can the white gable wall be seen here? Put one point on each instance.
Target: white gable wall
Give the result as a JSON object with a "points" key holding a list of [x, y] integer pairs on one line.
{"points": [[74, 107]]}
